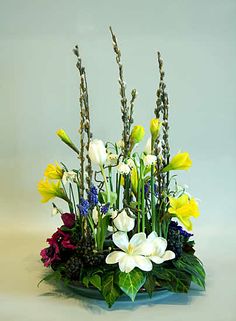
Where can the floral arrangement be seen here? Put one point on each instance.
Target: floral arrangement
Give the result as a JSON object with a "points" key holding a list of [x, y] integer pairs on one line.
{"points": [[128, 224]]}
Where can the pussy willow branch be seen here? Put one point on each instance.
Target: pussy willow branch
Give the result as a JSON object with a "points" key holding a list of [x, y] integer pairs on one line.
{"points": [[124, 106], [84, 124]]}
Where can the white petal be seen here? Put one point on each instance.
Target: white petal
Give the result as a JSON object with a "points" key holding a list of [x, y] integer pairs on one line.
{"points": [[169, 255], [121, 240], [156, 259], [143, 263], [95, 215], [123, 222], [152, 236], [138, 239], [114, 257], [145, 248], [127, 263], [160, 246]]}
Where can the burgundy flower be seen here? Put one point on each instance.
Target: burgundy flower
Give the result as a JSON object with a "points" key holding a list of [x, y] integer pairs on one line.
{"points": [[68, 219], [58, 240], [50, 255]]}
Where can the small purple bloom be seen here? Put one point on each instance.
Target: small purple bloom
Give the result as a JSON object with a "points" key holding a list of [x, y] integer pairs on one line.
{"points": [[68, 219], [83, 206], [174, 225], [93, 196], [105, 208]]}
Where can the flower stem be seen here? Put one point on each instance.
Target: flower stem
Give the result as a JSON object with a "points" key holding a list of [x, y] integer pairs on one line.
{"points": [[106, 184], [143, 207], [139, 196], [153, 209]]}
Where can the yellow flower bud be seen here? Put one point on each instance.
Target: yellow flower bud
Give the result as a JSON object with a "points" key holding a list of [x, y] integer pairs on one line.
{"points": [[64, 137], [179, 161], [137, 134], [155, 126]]}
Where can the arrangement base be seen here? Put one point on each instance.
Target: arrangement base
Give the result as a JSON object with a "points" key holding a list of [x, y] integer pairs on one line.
{"points": [[93, 293]]}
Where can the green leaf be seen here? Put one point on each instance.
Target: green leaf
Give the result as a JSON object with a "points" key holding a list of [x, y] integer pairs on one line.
{"points": [[104, 199], [173, 280], [150, 284], [52, 276], [110, 290], [96, 281], [191, 264], [131, 282], [85, 281]]}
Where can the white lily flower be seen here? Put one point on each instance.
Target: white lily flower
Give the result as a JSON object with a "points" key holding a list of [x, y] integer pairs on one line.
{"points": [[148, 147], [97, 152], [95, 215], [149, 160], [123, 222], [159, 244], [132, 254], [70, 176], [123, 168], [112, 159], [130, 163]]}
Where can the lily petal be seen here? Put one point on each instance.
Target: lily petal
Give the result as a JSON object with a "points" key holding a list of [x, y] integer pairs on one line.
{"points": [[143, 263], [156, 259], [160, 246], [127, 263], [169, 255], [114, 257], [138, 239], [121, 240]]}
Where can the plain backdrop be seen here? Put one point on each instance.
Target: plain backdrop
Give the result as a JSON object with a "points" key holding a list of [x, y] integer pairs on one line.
{"points": [[39, 89]]}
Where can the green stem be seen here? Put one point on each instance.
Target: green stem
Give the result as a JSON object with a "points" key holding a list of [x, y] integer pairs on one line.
{"points": [[68, 200], [106, 185], [139, 197], [153, 208], [118, 178], [143, 207], [91, 223]]}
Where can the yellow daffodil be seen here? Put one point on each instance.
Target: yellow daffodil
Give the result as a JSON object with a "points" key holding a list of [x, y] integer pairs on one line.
{"points": [[155, 126], [66, 139], [49, 190], [179, 161], [136, 136], [54, 171], [183, 208]]}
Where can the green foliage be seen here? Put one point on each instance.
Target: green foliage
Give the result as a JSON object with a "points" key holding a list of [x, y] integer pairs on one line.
{"points": [[103, 198], [96, 281], [172, 279], [150, 284], [110, 290], [52, 276], [192, 265], [131, 282]]}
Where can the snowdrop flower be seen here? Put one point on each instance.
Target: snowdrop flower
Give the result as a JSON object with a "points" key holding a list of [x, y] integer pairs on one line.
{"points": [[149, 160], [158, 253], [132, 252], [97, 152], [112, 159], [120, 143], [123, 222], [69, 177], [130, 163], [123, 168], [148, 147]]}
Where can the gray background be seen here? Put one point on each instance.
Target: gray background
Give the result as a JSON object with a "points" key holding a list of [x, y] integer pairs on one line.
{"points": [[39, 94]]}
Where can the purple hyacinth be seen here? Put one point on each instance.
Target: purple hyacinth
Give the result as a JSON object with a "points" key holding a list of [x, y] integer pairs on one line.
{"points": [[83, 206], [105, 208], [174, 225], [147, 189], [93, 196]]}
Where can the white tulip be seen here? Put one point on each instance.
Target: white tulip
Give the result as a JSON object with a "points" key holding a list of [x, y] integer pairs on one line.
{"points": [[158, 253], [123, 222], [149, 160], [123, 168], [112, 159], [132, 254], [148, 147], [97, 152]]}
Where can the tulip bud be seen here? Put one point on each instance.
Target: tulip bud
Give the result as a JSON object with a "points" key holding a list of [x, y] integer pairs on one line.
{"points": [[155, 126], [137, 134], [178, 162], [66, 139], [97, 152], [148, 147], [123, 222]]}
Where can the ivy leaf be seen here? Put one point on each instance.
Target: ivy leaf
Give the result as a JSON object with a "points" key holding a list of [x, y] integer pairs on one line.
{"points": [[191, 264], [150, 284], [110, 290], [96, 281], [85, 281], [131, 282], [173, 280]]}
